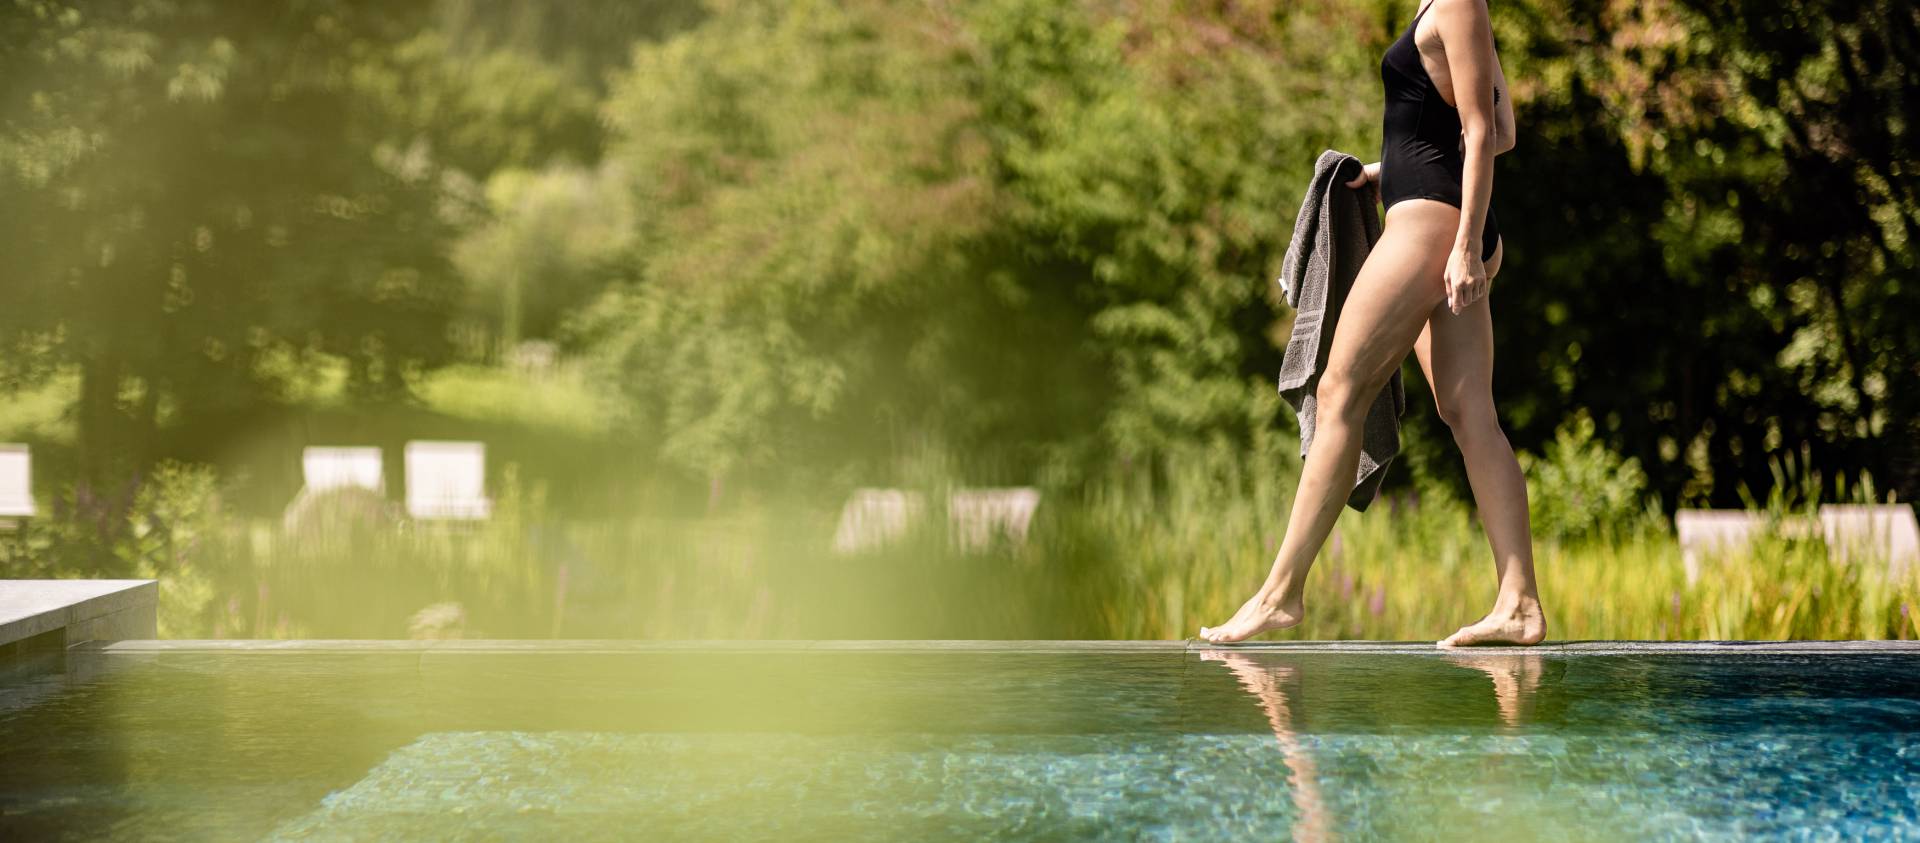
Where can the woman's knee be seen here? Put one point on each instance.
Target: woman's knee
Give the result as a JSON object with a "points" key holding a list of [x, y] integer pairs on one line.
{"points": [[1343, 394], [1469, 417]]}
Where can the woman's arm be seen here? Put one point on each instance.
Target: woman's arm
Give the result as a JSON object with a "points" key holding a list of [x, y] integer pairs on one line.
{"points": [[1468, 36], [1504, 132], [1503, 126]]}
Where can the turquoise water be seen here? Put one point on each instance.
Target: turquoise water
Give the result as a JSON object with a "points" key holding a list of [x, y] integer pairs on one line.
{"points": [[959, 745]]}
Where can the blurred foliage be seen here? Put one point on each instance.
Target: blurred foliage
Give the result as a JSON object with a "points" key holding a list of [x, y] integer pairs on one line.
{"points": [[1752, 285], [172, 526], [1127, 562], [178, 535], [193, 190], [1581, 489], [557, 238]]}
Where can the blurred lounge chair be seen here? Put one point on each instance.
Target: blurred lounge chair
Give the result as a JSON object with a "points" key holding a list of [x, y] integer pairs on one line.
{"points": [[323, 469], [341, 489], [16, 484], [446, 481], [1888, 531], [1703, 531], [873, 517], [977, 518]]}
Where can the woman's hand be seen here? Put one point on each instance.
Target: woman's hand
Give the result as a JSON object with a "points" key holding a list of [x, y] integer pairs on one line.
{"points": [[1466, 279], [1369, 178]]}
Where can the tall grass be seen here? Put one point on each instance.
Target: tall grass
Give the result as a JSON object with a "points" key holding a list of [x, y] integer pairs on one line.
{"points": [[1160, 565], [1146, 555]]}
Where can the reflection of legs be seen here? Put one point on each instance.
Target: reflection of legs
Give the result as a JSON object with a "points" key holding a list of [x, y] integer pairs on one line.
{"points": [[1265, 684], [1456, 352], [1384, 312], [1515, 678]]}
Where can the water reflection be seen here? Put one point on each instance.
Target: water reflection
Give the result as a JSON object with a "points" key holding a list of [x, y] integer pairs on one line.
{"points": [[1277, 687], [1516, 681], [1347, 702]]}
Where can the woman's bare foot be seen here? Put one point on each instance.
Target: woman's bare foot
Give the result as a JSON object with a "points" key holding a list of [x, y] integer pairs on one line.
{"points": [[1255, 616], [1513, 621]]}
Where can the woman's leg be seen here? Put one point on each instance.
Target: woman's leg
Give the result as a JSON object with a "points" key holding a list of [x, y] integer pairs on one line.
{"points": [[1386, 309], [1456, 353]]}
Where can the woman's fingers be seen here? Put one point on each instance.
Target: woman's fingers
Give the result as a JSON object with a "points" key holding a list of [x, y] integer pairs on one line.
{"points": [[1368, 173]]}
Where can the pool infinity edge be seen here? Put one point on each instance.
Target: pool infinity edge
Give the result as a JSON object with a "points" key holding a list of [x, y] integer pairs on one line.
{"points": [[363, 645]]}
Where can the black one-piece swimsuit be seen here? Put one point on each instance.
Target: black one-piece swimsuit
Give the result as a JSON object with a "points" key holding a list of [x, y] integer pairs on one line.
{"points": [[1420, 138]]}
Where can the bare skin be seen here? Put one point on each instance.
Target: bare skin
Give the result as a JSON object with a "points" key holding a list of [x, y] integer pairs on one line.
{"points": [[1422, 288]]}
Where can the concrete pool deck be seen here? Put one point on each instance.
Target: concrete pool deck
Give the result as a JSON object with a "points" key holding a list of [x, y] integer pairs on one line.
{"points": [[481, 646], [119, 617], [36, 614]]}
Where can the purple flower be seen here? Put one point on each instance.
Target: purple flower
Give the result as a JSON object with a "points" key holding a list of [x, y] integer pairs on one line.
{"points": [[1346, 585], [1379, 602]]}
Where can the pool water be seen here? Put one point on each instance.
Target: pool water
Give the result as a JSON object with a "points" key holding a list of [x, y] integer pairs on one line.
{"points": [[818, 744]]}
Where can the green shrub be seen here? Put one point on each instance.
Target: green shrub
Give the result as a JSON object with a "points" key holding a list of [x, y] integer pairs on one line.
{"points": [[179, 533], [1581, 489]]}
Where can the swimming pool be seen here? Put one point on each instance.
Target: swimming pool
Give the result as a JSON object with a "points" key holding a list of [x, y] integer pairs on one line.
{"points": [[896, 741]]}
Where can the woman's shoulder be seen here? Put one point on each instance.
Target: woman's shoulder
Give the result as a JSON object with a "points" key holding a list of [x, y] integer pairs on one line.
{"points": [[1454, 11]]}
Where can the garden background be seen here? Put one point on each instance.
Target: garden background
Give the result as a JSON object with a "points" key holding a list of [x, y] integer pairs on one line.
{"points": [[696, 271]]}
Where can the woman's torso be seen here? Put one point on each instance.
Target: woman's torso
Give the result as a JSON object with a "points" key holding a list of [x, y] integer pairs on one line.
{"points": [[1420, 154]]}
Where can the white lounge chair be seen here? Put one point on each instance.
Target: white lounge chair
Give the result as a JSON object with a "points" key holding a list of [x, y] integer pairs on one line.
{"points": [[325, 469], [339, 486], [16, 481], [447, 481], [976, 518], [1702, 531], [873, 517], [1885, 530]]}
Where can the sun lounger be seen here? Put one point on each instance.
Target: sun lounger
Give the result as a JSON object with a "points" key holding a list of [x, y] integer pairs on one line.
{"points": [[324, 469], [1884, 530], [977, 518], [873, 517], [447, 481], [16, 481]]}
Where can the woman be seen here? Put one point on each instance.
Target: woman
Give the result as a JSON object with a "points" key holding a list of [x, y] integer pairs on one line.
{"points": [[1424, 285]]}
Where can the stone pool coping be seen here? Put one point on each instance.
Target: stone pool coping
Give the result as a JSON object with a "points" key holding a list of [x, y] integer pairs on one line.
{"points": [[59, 613], [453, 646], [118, 617]]}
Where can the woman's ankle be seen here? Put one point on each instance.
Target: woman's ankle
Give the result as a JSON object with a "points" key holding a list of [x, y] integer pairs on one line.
{"points": [[1280, 596]]}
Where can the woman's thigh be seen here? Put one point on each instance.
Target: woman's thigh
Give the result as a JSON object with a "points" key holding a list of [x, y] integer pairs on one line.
{"points": [[1456, 351], [1393, 297]]}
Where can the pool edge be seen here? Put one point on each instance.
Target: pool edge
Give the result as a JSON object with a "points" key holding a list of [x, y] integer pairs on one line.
{"points": [[453, 646]]}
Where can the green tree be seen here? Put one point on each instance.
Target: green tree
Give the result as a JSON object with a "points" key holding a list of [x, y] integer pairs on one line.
{"points": [[196, 191], [1742, 284]]}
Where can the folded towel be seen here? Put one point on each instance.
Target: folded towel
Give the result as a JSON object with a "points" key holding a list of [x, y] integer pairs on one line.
{"points": [[1336, 228]]}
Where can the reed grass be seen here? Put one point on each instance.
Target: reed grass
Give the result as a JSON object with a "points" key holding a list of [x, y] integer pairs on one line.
{"points": [[1127, 559]]}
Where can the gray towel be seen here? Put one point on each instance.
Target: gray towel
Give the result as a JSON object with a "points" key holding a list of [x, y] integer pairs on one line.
{"points": [[1336, 228]]}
